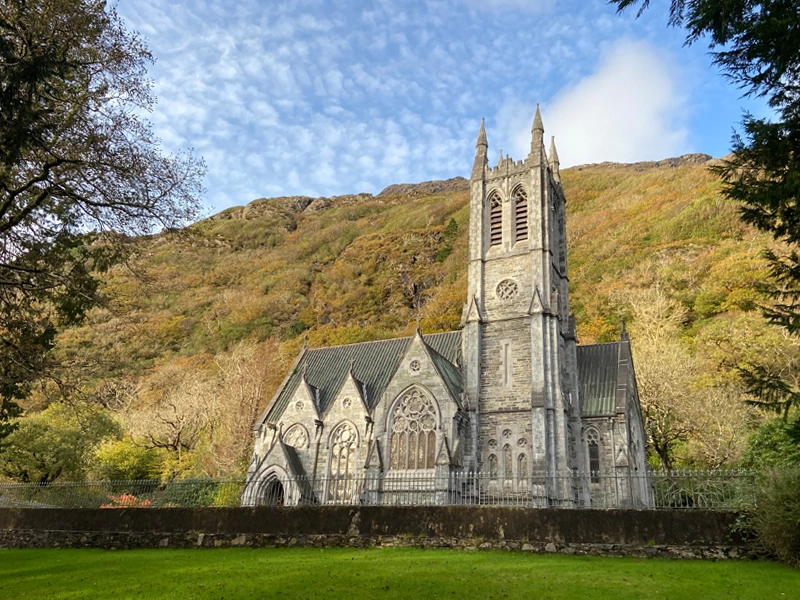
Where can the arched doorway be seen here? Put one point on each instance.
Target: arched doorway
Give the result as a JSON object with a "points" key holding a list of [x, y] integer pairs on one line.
{"points": [[273, 493]]}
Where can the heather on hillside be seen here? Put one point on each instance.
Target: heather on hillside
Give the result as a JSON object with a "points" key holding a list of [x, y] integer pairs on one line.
{"points": [[198, 330]]}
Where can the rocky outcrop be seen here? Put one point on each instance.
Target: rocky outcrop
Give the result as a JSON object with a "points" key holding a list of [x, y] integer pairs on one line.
{"points": [[667, 163], [456, 184]]}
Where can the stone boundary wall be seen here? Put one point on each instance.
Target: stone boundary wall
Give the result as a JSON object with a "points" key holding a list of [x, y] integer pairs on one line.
{"points": [[680, 534]]}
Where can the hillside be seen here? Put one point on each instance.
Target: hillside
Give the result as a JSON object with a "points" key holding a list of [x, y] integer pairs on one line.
{"points": [[200, 327]]}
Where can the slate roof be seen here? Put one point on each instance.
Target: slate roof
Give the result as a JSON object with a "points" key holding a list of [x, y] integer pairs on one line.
{"points": [[374, 363], [598, 366]]}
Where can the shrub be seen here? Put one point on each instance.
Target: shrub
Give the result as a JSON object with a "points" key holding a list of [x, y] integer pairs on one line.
{"points": [[776, 518], [775, 443], [189, 493], [122, 460]]}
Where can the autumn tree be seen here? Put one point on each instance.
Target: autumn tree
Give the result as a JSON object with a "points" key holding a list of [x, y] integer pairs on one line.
{"points": [[79, 170], [757, 45], [687, 420]]}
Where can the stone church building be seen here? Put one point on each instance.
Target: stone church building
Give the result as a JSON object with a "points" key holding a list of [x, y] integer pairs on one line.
{"points": [[510, 409]]}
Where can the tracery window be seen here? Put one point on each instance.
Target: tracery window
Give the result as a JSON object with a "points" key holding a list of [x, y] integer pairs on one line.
{"points": [[492, 466], [296, 436], [344, 442], [495, 220], [520, 215], [593, 447], [413, 442]]}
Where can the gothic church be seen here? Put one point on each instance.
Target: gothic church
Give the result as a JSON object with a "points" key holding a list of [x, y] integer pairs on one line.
{"points": [[507, 410]]}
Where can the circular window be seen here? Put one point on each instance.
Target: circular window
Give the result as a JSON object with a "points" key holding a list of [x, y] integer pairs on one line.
{"points": [[415, 366], [507, 433], [522, 442], [507, 289], [492, 444], [347, 402], [299, 405]]}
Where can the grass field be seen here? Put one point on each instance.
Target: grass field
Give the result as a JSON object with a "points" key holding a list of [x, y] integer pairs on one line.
{"points": [[377, 573]]}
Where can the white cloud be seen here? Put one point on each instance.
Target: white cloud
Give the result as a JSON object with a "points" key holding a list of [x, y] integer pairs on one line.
{"points": [[531, 5], [631, 109]]}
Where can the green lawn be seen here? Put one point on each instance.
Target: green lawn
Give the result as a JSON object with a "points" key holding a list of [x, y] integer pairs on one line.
{"points": [[377, 573]]}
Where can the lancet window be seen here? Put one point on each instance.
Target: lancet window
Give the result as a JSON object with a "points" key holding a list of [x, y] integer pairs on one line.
{"points": [[508, 464], [593, 447], [522, 467], [344, 442], [495, 220], [413, 441], [520, 215]]}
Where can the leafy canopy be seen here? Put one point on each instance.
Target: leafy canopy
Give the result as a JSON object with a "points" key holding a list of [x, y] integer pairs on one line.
{"points": [[757, 45], [79, 167]]}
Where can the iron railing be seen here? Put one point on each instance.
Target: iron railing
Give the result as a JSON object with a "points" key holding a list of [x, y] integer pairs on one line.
{"points": [[715, 490]]}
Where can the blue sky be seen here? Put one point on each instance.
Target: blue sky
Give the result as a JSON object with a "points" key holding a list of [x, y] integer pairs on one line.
{"points": [[320, 98]]}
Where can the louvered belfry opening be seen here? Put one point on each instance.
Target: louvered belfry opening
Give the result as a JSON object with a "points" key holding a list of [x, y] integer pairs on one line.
{"points": [[495, 221], [520, 215]]}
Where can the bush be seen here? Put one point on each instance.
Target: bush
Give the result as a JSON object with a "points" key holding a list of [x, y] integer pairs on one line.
{"points": [[122, 460], [776, 518], [189, 493], [775, 443]]}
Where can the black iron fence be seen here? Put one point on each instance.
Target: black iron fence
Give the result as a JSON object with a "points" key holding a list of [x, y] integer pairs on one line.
{"points": [[716, 490]]}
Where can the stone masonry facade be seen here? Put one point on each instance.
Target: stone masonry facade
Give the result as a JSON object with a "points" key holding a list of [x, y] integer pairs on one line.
{"points": [[508, 409]]}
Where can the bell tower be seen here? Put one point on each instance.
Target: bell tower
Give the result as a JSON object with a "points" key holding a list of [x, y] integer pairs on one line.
{"points": [[519, 347]]}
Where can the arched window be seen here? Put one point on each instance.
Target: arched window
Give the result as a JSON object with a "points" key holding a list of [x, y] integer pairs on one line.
{"points": [[593, 448], [413, 442], [296, 436], [522, 467], [508, 466], [492, 466], [520, 215], [495, 220], [344, 442]]}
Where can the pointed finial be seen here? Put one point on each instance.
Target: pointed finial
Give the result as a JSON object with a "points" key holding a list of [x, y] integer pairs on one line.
{"points": [[481, 161], [553, 152], [352, 362], [482, 136], [500, 160], [537, 135], [305, 341], [537, 121], [624, 335], [305, 369]]}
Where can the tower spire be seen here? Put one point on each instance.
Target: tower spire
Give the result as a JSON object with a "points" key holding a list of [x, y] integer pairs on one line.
{"points": [[554, 163], [537, 132], [481, 148], [482, 138]]}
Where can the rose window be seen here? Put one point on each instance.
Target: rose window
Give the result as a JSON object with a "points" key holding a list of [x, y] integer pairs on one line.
{"points": [[507, 289]]}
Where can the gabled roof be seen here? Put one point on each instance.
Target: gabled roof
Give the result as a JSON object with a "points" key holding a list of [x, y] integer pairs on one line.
{"points": [[598, 367], [450, 374], [374, 364]]}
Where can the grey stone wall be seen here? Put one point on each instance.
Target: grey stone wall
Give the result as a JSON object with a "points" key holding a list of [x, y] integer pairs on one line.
{"points": [[687, 534]]}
